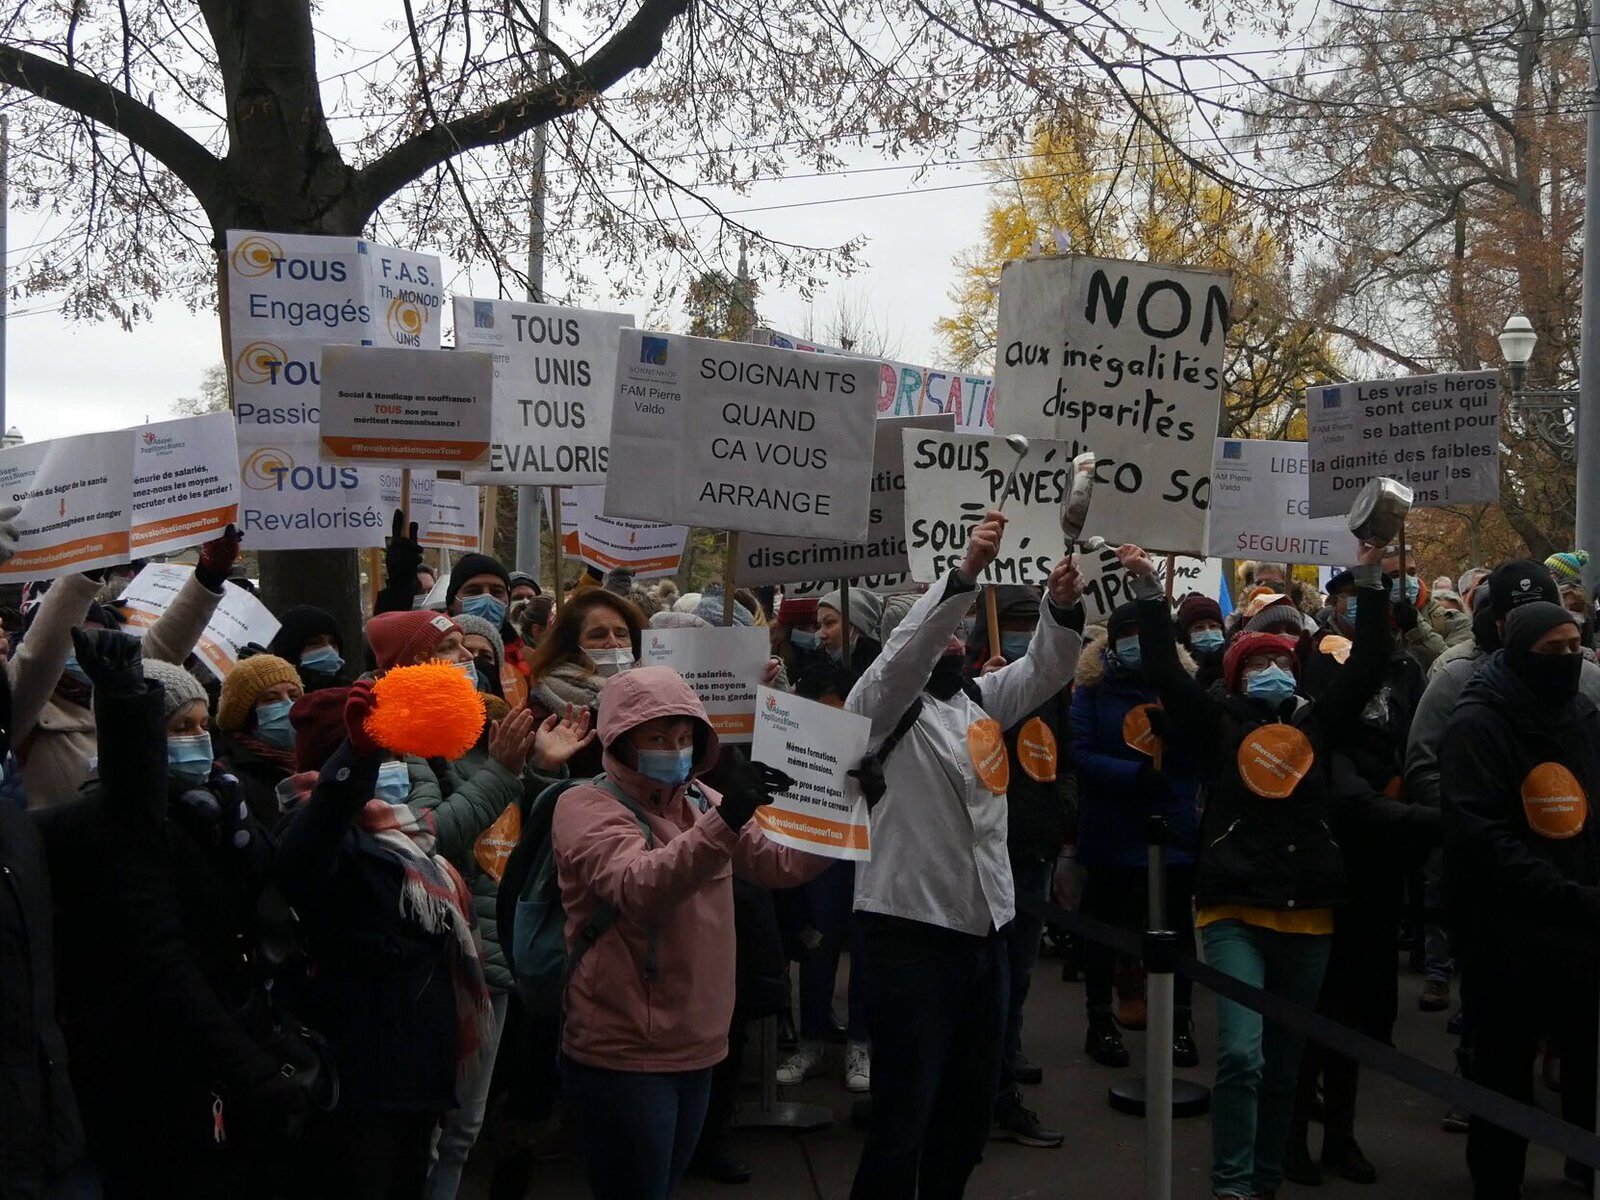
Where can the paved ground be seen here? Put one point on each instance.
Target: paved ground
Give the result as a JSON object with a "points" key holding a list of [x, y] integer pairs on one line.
{"points": [[1103, 1155]]}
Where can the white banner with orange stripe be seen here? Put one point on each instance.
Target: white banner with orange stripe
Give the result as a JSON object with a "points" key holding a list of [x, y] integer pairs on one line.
{"points": [[646, 548], [103, 498], [724, 667], [238, 620], [817, 746]]}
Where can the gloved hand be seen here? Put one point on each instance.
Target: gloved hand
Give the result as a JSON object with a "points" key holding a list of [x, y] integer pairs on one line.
{"points": [[110, 660], [217, 558], [358, 706], [403, 555], [870, 776], [1159, 724], [1405, 615], [8, 531], [1154, 787], [749, 785]]}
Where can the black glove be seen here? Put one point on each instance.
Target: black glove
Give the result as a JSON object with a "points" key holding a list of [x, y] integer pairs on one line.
{"points": [[403, 555], [110, 660], [748, 786], [1405, 615], [1153, 785], [870, 776], [1159, 725], [217, 558]]}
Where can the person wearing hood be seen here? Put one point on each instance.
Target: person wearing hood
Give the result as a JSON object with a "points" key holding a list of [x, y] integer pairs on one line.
{"points": [[488, 652], [933, 901], [257, 743], [857, 646], [157, 868], [1119, 788], [593, 638], [1519, 764], [648, 1008], [1202, 633], [309, 638], [1269, 872]]}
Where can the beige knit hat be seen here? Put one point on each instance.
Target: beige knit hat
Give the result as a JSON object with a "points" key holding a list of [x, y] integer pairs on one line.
{"points": [[244, 686]]}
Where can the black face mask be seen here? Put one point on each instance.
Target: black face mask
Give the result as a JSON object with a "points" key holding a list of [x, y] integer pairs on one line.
{"points": [[1552, 678], [947, 675]]}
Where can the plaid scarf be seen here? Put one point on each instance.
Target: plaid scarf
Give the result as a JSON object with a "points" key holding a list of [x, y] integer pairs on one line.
{"points": [[436, 897]]}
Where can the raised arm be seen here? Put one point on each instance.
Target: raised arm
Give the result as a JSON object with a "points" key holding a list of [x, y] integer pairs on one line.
{"points": [[1353, 684], [35, 669], [1185, 701], [174, 636], [309, 842], [401, 558]]}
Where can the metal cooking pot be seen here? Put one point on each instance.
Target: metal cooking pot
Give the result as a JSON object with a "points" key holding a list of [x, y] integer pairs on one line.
{"points": [[1075, 504], [1379, 513]]}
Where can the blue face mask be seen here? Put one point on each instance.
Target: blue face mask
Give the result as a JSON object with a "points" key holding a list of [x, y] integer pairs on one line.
{"points": [[1207, 641], [670, 767], [1413, 590], [324, 660], [1350, 610], [1015, 645], [189, 760], [272, 723], [803, 639], [1272, 684], [394, 783], [74, 671], [1127, 652], [485, 606]]}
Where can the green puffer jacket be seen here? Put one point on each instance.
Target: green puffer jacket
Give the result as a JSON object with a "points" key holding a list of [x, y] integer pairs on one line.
{"points": [[466, 797]]}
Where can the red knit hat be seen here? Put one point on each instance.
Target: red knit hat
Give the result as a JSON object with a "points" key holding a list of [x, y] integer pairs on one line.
{"points": [[399, 639], [794, 610], [1246, 645], [318, 720], [1195, 607]]}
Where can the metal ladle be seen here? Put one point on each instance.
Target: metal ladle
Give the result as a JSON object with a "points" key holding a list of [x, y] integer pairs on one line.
{"points": [[991, 610]]}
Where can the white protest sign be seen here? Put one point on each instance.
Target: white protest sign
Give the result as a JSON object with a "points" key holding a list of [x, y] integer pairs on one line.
{"points": [[817, 746], [1437, 434], [1106, 585], [102, 498], [555, 380], [239, 618], [727, 435], [883, 585], [1124, 359], [646, 548], [952, 479], [445, 511], [723, 665], [1260, 509], [412, 408], [765, 560], [293, 501]]}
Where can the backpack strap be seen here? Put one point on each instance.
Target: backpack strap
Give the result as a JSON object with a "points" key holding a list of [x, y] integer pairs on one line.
{"points": [[606, 915], [898, 733]]}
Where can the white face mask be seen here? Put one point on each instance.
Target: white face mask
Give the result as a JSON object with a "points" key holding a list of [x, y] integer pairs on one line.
{"points": [[611, 662]]}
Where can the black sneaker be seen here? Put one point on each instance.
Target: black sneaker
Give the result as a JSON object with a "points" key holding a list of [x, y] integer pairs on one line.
{"points": [[1455, 1120], [1104, 1044], [1298, 1165], [1184, 1052], [1023, 1071], [1345, 1159], [1021, 1125]]}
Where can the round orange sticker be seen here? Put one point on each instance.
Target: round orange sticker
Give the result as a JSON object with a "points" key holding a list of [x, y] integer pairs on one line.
{"points": [[1554, 802], [1036, 751], [513, 685], [1336, 647], [987, 746], [1136, 731], [1274, 759]]}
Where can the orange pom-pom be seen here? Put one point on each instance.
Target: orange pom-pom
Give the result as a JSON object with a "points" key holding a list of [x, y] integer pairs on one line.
{"points": [[430, 710]]}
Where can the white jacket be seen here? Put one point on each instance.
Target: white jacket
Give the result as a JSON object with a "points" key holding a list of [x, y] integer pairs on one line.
{"points": [[938, 834]]}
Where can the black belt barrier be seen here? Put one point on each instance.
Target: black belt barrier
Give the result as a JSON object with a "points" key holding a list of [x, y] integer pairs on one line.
{"points": [[1523, 1120]]}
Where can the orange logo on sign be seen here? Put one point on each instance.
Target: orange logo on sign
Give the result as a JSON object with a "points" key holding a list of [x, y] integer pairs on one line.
{"points": [[253, 256], [1274, 759], [987, 746], [495, 844], [1554, 802], [1036, 751], [1136, 731]]}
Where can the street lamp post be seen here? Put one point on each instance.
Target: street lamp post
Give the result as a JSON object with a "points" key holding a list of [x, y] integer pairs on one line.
{"points": [[1553, 412]]}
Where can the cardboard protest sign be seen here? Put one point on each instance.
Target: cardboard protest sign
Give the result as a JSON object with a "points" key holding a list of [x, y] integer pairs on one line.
{"points": [[905, 390], [293, 501], [788, 560], [555, 380], [1260, 507], [727, 435], [817, 746], [239, 618], [883, 585], [446, 511], [1106, 585], [410, 408], [1437, 434], [723, 665], [646, 548], [102, 498], [1124, 359]]}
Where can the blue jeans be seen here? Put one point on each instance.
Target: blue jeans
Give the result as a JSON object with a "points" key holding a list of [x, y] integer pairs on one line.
{"points": [[1023, 936], [936, 1010], [1437, 965], [639, 1129], [1257, 1063], [830, 896], [454, 1138]]}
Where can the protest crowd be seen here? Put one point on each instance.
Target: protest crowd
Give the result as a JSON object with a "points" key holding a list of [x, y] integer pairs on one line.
{"points": [[254, 947]]}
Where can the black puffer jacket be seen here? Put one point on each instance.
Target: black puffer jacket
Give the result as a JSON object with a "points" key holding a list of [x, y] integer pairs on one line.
{"points": [[1041, 816], [1274, 854], [1524, 904]]}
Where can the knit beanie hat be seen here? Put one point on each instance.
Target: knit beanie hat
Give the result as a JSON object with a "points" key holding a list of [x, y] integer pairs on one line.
{"points": [[318, 720], [1470, 578], [1567, 567], [709, 610], [1246, 645], [1196, 607], [477, 625], [1015, 600], [519, 577], [866, 609], [402, 638], [1121, 617], [182, 688], [794, 609], [469, 565], [1277, 614], [298, 625], [1530, 622], [895, 608], [244, 685], [676, 620]]}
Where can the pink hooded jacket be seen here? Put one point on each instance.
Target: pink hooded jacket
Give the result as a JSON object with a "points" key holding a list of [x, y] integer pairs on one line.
{"points": [[615, 1018]]}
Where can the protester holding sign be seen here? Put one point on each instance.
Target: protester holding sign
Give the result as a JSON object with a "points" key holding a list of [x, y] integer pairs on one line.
{"points": [[932, 902], [1269, 872]]}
